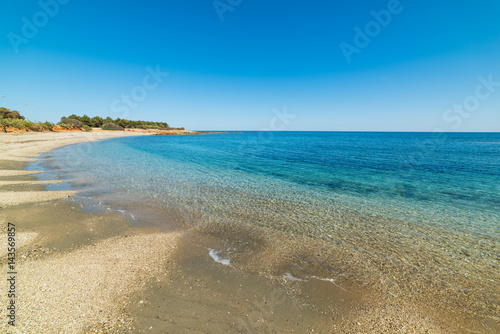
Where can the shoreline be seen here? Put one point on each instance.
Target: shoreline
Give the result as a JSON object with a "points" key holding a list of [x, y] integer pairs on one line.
{"points": [[76, 271], [57, 231]]}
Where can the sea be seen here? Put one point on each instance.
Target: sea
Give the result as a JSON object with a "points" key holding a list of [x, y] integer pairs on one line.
{"points": [[414, 215]]}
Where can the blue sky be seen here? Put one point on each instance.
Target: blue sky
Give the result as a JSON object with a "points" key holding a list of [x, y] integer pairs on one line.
{"points": [[232, 65]]}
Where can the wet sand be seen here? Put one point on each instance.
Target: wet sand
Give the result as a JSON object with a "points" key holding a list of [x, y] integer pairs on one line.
{"points": [[84, 272], [76, 271]]}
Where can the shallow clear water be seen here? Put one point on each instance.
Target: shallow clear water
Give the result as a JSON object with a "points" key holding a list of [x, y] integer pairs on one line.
{"points": [[453, 181], [395, 203]]}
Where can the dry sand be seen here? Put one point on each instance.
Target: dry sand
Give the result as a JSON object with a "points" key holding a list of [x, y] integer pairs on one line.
{"points": [[75, 271], [10, 172], [9, 198], [8, 183], [25, 146], [89, 287]]}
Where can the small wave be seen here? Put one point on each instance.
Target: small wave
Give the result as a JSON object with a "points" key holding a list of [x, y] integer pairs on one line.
{"points": [[289, 276], [128, 213], [214, 255], [331, 280], [122, 212]]}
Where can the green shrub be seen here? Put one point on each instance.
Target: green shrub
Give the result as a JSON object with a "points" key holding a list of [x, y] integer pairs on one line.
{"points": [[86, 128], [71, 121], [66, 126], [47, 126], [111, 126], [15, 123], [7, 113], [21, 124], [36, 127]]}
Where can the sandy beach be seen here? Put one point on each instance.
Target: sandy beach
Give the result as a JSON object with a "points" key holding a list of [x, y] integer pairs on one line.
{"points": [[76, 271]]}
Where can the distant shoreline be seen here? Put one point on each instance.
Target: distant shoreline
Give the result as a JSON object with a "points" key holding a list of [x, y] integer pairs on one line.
{"points": [[11, 130], [154, 132]]}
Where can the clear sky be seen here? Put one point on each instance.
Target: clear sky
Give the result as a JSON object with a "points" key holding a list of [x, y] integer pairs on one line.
{"points": [[392, 65]]}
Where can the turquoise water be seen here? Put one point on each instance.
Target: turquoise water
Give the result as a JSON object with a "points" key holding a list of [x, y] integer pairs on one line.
{"points": [[383, 205], [451, 181]]}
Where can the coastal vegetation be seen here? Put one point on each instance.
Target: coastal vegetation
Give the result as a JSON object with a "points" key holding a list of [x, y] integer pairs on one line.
{"points": [[7, 113], [12, 119], [118, 123], [111, 126]]}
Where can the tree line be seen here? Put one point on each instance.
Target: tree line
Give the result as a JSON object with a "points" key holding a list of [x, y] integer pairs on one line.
{"points": [[12, 118], [99, 122]]}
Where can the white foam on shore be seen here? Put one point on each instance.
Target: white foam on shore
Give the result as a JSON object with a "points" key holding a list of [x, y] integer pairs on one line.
{"points": [[214, 255], [122, 212], [290, 277], [126, 212], [331, 280]]}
